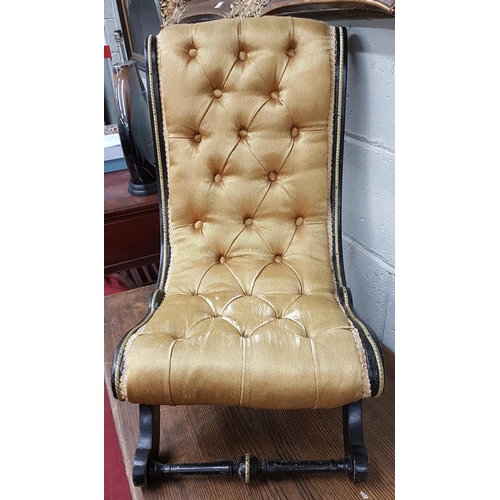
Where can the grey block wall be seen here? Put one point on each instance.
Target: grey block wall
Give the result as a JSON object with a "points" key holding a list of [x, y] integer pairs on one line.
{"points": [[368, 221]]}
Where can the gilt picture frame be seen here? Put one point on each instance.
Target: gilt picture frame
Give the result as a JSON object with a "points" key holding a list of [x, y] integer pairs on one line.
{"points": [[140, 18]]}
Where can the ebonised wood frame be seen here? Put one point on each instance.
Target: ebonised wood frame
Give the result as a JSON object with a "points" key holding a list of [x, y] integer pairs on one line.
{"points": [[368, 337], [147, 469]]}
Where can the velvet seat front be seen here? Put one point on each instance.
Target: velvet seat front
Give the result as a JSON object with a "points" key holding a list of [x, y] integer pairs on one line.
{"points": [[250, 308]]}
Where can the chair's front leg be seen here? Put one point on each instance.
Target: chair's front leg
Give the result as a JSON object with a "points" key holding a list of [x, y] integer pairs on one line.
{"points": [[146, 453], [354, 444]]}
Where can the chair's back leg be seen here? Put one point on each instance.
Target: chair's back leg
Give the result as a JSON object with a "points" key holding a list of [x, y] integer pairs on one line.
{"points": [[354, 444]]}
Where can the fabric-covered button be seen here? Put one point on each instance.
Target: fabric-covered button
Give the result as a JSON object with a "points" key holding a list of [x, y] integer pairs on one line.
{"points": [[242, 133], [272, 176], [218, 178], [290, 52], [242, 55], [217, 93], [198, 224], [222, 259], [295, 132], [278, 258], [193, 52], [299, 221], [275, 94], [197, 138], [248, 221]]}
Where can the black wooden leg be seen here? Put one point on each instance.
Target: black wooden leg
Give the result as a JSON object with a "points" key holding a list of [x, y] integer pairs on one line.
{"points": [[146, 453], [147, 468], [354, 445]]}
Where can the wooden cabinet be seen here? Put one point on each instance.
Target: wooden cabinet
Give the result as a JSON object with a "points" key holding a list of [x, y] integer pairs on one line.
{"points": [[131, 226]]}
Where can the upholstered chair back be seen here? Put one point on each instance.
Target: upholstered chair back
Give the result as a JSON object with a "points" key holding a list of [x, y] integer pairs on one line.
{"points": [[247, 310]]}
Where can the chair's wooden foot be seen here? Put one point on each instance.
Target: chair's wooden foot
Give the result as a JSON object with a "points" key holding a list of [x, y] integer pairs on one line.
{"points": [[148, 469], [146, 453], [354, 444]]}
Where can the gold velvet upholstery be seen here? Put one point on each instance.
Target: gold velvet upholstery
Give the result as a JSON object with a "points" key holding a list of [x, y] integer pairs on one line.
{"points": [[247, 308]]}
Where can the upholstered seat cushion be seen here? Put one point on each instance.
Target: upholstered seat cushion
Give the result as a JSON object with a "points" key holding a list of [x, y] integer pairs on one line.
{"points": [[250, 314], [272, 351]]}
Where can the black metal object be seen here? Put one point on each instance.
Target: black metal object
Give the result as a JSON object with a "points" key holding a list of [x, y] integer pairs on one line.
{"points": [[147, 469]]}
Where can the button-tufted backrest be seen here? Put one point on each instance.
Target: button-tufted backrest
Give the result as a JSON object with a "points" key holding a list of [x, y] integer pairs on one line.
{"points": [[249, 309], [247, 121]]}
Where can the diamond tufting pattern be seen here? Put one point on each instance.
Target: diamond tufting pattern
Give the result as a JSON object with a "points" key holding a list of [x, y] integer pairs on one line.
{"points": [[250, 316]]}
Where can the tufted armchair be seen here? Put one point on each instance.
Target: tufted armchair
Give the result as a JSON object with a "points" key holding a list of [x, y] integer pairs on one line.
{"points": [[251, 306]]}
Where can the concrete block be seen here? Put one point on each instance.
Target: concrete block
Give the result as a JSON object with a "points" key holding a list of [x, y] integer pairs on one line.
{"points": [[390, 324], [368, 198], [109, 11], [369, 280], [371, 80]]}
